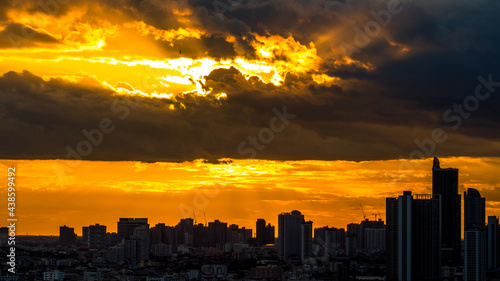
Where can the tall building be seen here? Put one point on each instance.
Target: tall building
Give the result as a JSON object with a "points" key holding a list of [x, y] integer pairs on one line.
{"points": [[260, 231], [97, 236], [306, 240], [475, 255], [141, 235], [67, 235], [289, 234], [474, 209], [217, 233], [126, 226], [413, 237], [329, 241], [445, 183], [270, 234], [161, 234], [493, 243], [353, 239], [391, 238], [184, 232], [85, 235]]}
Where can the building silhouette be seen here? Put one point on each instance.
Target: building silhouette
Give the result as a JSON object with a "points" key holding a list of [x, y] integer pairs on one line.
{"points": [[184, 232], [306, 240], [126, 226], [493, 243], [413, 237], [217, 233], [474, 209], [67, 235], [141, 236], [445, 183], [329, 241], [97, 236], [475, 255], [264, 233], [289, 235]]}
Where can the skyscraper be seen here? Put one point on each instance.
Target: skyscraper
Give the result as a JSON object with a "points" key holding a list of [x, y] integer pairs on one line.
{"points": [[474, 209], [289, 234], [126, 226], [475, 255], [391, 238], [217, 233], [261, 231], [493, 243], [141, 235], [97, 236], [413, 237], [265, 233], [270, 234], [306, 240], [67, 235], [445, 183]]}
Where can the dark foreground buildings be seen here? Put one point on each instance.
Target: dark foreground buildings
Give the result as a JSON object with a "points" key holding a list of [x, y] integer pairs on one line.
{"points": [[445, 183], [413, 237]]}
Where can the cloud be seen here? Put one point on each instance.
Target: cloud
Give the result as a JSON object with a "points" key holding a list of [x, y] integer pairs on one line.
{"points": [[42, 117], [377, 102], [19, 36]]}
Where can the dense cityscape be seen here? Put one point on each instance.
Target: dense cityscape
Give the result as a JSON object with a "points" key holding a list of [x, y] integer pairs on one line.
{"points": [[421, 239]]}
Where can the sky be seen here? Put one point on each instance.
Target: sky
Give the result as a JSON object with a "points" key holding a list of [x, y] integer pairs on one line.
{"points": [[129, 108]]}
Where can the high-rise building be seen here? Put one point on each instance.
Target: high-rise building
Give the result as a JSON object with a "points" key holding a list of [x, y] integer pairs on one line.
{"points": [[474, 209], [260, 231], [475, 255], [217, 233], [141, 235], [374, 239], [85, 235], [270, 234], [306, 240], [97, 236], [161, 234], [184, 232], [391, 238], [329, 241], [353, 239], [289, 234], [493, 243], [413, 237], [67, 235], [126, 226], [445, 183], [265, 233]]}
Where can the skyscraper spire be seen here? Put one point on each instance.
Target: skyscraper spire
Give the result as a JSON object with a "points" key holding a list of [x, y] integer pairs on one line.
{"points": [[436, 163]]}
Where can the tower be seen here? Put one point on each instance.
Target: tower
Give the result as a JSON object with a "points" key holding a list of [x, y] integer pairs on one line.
{"points": [[289, 234], [413, 237], [474, 209], [445, 183]]}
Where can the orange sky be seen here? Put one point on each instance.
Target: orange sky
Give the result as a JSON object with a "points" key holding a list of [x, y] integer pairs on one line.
{"points": [[51, 194]]}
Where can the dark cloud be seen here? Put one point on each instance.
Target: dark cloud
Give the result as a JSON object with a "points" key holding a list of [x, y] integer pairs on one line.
{"points": [[40, 118], [396, 91], [19, 36]]}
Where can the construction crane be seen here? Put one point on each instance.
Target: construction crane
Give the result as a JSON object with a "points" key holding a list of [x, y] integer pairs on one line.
{"points": [[205, 219], [363, 212], [194, 217], [378, 214]]}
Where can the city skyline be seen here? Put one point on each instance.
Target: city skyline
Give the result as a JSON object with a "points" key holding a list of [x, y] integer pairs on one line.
{"points": [[381, 179]]}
